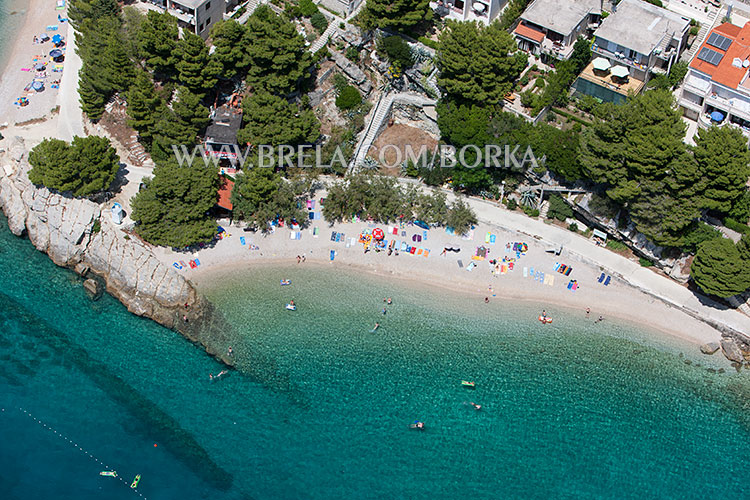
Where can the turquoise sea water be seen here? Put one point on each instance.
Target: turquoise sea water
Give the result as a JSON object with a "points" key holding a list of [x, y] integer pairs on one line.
{"points": [[12, 14], [320, 408]]}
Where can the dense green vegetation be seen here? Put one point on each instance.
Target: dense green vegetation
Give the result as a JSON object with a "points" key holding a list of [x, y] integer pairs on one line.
{"points": [[86, 166], [396, 50], [262, 195], [272, 120], [171, 208], [720, 269], [384, 200], [398, 14], [483, 74]]}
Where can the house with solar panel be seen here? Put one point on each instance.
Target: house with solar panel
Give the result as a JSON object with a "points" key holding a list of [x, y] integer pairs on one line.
{"points": [[482, 11], [636, 40], [716, 89]]}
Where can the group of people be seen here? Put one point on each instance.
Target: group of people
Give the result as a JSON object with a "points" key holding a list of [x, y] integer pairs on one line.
{"points": [[387, 301], [301, 258]]}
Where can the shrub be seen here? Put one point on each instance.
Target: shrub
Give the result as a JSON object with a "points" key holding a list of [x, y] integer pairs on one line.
{"points": [[524, 80], [511, 204], [319, 22], [352, 54], [539, 83], [342, 25], [736, 226], [694, 30], [339, 82], [349, 98], [308, 8], [429, 42], [645, 262], [573, 227], [396, 50], [617, 246], [531, 212], [697, 234], [558, 209], [97, 226]]}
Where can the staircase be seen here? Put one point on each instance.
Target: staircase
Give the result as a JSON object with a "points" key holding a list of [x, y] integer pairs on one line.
{"points": [[687, 56], [379, 115], [327, 34], [250, 8]]}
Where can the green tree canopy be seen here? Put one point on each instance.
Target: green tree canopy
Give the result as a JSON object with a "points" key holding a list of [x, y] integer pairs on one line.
{"points": [[272, 120], [171, 208], [724, 163], [637, 153], [396, 50], [478, 63], [230, 53], [719, 269], [460, 216], [196, 70], [144, 106], [396, 13], [189, 110], [262, 195], [158, 43], [80, 11], [85, 167], [277, 56], [348, 98], [170, 130]]}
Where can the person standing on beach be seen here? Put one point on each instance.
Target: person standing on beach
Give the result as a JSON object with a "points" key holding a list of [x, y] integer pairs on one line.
{"points": [[588, 311]]}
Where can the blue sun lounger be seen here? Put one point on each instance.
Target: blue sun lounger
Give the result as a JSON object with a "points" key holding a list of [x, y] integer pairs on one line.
{"points": [[606, 282], [601, 278]]}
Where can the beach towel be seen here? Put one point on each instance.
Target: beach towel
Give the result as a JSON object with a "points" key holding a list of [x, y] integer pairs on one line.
{"points": [[556, 266], [333, 254], [551, 280], [342, 237], [403, 246], [487, 238], [531, 270], [460, 263], [541, 277], [419, 251], [311, 215], [242, 240], [413, 249], [197, 262], [176, 265], [192, 264], [575, 286], [426, 252], [312, 204], [182, 263], [606, 282], [309, 204], [333, 236], [525, 272], [25, 69], [403, 234], [450, 230], [570, 284], [424, 235], [316, 231], [503, 269], [468, 236], [601, 278], [568, 271], [470, 266], [493, 239]]}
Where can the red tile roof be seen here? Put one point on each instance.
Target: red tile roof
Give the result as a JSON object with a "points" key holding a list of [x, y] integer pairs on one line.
{"points": [[529, 32], [724, 73], [225, 193]]}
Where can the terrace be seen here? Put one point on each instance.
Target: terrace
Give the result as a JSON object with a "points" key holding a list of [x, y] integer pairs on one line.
{"points": [[605, 79]]}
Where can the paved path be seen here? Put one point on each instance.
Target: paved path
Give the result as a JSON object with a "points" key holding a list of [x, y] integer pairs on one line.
{"points": [[70, 121]]}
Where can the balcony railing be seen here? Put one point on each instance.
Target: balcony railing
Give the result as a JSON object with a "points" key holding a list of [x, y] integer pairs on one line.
{"points": [[619, 57]]}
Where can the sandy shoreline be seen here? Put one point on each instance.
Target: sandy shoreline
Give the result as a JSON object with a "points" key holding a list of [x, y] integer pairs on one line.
{"points": [[39, 15], [618, 300]]}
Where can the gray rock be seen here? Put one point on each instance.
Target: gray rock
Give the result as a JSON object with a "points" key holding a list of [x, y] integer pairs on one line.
{"points": [[731, 350], [92, 288], [710, 348]]}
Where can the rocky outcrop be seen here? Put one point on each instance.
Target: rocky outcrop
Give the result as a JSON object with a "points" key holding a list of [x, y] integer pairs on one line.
{"points": [[75, 235], [710, 347], [731, 350]]}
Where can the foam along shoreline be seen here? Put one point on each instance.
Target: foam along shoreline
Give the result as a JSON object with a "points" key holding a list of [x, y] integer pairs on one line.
{"points": [[39, 15], [524, 282]]}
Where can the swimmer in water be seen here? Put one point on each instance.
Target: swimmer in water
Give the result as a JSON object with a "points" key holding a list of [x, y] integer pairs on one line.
{"points": [[377, 325], [476, 406]]}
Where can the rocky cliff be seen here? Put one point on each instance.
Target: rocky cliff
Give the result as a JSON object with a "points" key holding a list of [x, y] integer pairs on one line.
{"points": [[75, 235]]}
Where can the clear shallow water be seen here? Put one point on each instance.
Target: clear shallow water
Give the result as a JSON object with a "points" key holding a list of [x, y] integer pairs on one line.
{"points": [[12, 13], [320, 407]]}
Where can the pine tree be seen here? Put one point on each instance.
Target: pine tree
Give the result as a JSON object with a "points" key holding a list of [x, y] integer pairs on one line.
{"points": [[144, 106], [81, 10], [117, 64], [158, 38], [724, 163], [230, 52], [277, 56], [719, 269], [91, 98], [170, 131], [396, 13], [196, 71], [189, 110], [170, 210], [478, 63], [272, 120]]}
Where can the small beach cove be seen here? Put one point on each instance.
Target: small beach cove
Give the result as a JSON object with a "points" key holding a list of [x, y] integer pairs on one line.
{"points": [[320, 408]]}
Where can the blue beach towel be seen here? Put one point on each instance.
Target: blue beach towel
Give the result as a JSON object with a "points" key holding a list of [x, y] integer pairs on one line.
{"points": [[424, 235], [242, 240], [333, 236], [197, 262], [333, 254]]}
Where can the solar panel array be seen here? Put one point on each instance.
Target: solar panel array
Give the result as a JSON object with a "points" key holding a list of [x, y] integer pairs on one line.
{"points": [[718, 41], [710, 56]]}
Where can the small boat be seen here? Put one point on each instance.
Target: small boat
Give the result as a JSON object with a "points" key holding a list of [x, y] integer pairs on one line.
{"points": [[109, 473], [467, 383], [286, 282], [135, 482], [291, 307]]}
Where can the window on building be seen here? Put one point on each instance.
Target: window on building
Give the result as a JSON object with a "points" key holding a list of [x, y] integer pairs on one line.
{"points": [[208, 5], [200, 28], [208, 22]]}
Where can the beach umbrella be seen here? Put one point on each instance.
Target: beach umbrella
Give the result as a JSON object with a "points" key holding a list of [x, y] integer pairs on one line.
{"points": [[40, 66], [378, 234], [601, 64], [717, 116], [56, 39], [620, 72], [54, 54], [38, 86]]}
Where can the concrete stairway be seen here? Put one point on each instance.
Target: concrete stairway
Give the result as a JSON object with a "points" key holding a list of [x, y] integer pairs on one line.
{"points": [[251, 6], [687, 56]]}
